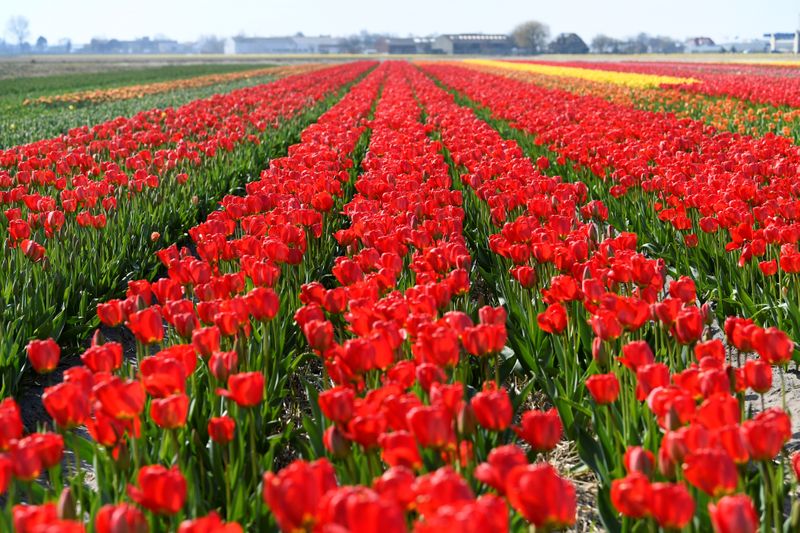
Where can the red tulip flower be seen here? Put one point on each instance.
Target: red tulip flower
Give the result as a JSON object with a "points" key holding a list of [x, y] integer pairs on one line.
{"points": [[712, 471], [221, 429], [294, 494], [604, 388], [541, 429], [209, 524], [122, 517], [553, 319], [671, 505], [734, 514], [541, 496], [160, 490], [246, 389], [758, 375], [44, 355], [500, 462], [147, 325], [493, 407], [10, 423], [28, 518], [632, 495], [399, 448], [170, 412], [67, 403]]}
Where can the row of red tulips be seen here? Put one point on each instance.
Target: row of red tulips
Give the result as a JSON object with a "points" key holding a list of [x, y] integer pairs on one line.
{"points": [[657, 336], [158, 172], [416, 423], [774, 85]]}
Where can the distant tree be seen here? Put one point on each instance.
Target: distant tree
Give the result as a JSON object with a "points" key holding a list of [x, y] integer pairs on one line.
{"points": [[531, 36], [211, 44], [603, 44], [18, 27], [41, 44], [568, 43]]}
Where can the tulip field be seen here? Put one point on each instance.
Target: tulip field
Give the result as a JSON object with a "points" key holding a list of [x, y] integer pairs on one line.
{"points": [[378, 297]]}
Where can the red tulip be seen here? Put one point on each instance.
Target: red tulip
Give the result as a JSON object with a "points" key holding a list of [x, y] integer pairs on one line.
{"points": [[773, 345], [209, 524], [147, 325], [206, 340], [221, 429], [262, 303], [110, 313], [636, 354], [160, 490], [399, 448], [120, 399], [120, 518], [223, 364], [712, 471], [246, 389], [604, 388], [431, 426], [671, 505], [541, 496], [637, 459], [44, 355], [689, 325], [163, 377], [103, 357], [733, 514], [10, 423], [541, 429], [396, 484], [632, 495], [553, 319], [294, 494], [67, 403], [764, 439], [337, 404], [440, 488], [493, 407], [500, 462], [170, 412], [758, 375], [27, 518]]}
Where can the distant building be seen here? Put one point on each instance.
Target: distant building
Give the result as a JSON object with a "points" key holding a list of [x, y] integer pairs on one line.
{"points": [[784, 42], [473, 43], [756, 46], [285, 45], [320, 45], [701, 45], [406, 46], [260, 45]]}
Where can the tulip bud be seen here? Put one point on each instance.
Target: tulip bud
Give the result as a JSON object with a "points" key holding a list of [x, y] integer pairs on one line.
{"points": [[155, 236], [123, 458], [336, 443], [637, 459], [66, 505], [600, 352], [672, 420], [466, 421]]}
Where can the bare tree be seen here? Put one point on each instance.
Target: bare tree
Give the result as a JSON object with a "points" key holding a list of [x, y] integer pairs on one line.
{"points": [[603, 44], [531, 36], [18, 27]]}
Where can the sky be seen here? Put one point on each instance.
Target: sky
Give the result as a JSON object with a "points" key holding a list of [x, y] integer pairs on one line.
{"points": [[185, 20]]}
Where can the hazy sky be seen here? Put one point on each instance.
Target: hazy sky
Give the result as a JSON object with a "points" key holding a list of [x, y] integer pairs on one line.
{"points": [[80, 20]]}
